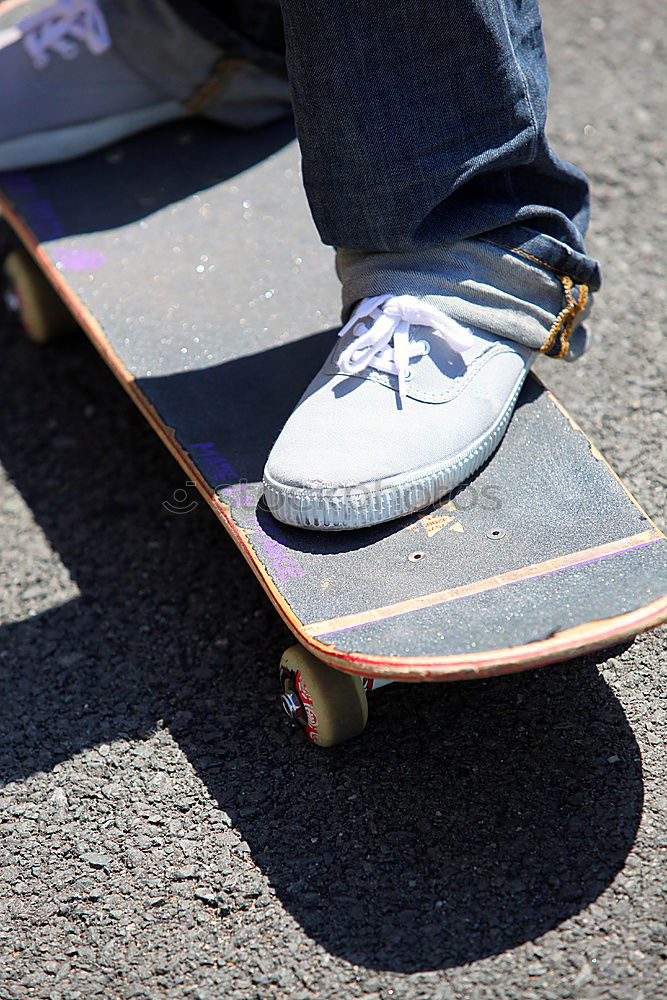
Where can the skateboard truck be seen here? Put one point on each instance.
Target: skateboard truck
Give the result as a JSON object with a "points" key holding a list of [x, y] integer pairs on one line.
{"points": [[293, 707]]}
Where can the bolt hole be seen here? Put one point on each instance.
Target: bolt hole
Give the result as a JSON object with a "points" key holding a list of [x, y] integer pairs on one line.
{"points": [[495, 533], [416, 556]]}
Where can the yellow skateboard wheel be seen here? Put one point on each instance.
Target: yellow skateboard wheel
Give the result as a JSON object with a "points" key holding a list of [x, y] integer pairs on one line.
{"points": [[329, 705], [44, 316]]}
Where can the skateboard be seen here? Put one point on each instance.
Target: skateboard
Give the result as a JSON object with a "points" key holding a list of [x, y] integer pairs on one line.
{"points": [[189, 258]]}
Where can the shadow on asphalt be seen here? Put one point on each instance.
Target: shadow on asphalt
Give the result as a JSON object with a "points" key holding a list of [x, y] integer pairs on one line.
{"points": [[470, 818]]}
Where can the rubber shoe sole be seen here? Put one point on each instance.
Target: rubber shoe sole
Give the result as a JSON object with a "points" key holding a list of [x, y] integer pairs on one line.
{"points": [[39, 148]]}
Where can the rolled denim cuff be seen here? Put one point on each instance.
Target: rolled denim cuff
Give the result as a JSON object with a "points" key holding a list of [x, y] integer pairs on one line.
{"points": [[480, 284], [235, 82]]}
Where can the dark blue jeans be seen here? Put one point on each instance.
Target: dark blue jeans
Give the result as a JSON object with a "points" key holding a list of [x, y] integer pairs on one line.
{"points": [[422, 123], [422, 127], [425, 158]]}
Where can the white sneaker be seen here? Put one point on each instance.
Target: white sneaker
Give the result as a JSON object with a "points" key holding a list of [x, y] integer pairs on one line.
{"points": [[64, 90], [407, 406], [68, 86]]}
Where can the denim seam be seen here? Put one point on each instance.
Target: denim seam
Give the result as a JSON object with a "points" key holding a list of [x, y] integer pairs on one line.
{"points": [[521, 253], [564, 323], [526, 89], [576, 308]]}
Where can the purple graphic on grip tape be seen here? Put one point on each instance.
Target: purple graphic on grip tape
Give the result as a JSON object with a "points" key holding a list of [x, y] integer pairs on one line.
{"points": [[272, 548], [79, 259], [214, 465]]}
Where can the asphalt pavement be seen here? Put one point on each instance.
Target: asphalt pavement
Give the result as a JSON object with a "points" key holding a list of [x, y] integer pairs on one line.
{"points": [[164, 834]]}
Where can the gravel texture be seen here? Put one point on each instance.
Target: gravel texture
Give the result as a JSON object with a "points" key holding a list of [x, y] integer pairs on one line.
{"points": [[164, 834]]}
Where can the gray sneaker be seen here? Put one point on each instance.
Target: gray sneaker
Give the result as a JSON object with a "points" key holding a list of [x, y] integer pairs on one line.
{"points": [[79, 74], [407, 406]]}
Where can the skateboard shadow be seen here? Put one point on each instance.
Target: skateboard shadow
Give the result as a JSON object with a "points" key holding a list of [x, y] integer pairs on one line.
{"points": [[470, 819]]}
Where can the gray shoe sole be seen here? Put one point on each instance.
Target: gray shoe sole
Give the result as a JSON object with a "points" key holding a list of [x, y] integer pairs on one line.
{"points": [[361, 506], [54, 145]]}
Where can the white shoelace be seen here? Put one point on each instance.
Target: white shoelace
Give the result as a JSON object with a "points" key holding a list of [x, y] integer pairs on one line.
{"points": [[386, 345], [60, 27]]}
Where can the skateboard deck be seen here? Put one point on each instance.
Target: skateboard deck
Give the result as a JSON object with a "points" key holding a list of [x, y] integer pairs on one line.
{"points": [[189, 257]]}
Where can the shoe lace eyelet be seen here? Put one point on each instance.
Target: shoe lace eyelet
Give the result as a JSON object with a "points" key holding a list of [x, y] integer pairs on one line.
{"points": [[426, 346]]}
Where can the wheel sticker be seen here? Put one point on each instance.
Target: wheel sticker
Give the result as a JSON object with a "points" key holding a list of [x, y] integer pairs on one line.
{"points": [[312, 725]]}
